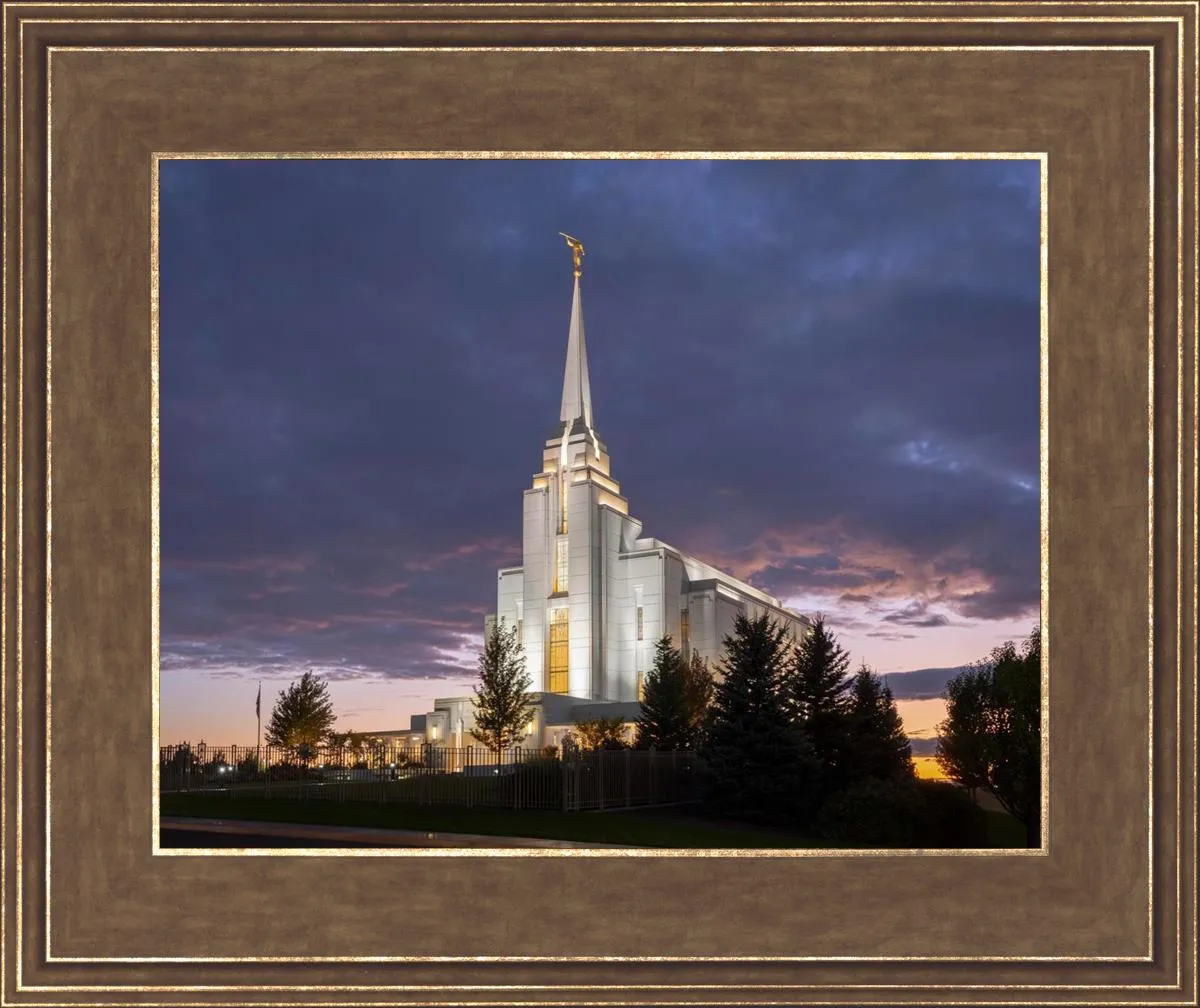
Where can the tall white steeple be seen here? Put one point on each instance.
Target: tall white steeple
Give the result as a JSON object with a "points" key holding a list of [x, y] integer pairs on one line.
{"points": [[575, 521], [577, 390]]}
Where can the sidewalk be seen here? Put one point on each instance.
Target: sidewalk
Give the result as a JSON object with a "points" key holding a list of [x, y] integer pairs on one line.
{"points": [[368, 837]]}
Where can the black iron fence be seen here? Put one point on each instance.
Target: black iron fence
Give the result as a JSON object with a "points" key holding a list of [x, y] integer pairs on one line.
{"points": [[434, 775]]}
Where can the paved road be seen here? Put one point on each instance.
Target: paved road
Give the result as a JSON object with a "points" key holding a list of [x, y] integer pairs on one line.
{"points": [[200, 838], [185, 831]]}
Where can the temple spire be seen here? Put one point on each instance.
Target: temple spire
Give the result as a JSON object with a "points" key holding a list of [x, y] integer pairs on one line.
{"points": [[577, 391]]}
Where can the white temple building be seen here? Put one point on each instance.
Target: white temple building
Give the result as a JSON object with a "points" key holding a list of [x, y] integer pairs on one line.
{"points": [[593, 594]]}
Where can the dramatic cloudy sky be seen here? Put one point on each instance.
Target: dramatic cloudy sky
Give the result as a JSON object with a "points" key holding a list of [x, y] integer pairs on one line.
{"points": [[821, 376]]}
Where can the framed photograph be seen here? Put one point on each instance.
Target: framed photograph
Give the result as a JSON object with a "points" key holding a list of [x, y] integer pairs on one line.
{"points": [[488, 654], [313, 695]]}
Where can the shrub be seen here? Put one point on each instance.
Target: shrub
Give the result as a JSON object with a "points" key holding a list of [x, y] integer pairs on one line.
{"points": [[601, 733], [873, 813], [952, 819], [292, 772], [902, 813]]}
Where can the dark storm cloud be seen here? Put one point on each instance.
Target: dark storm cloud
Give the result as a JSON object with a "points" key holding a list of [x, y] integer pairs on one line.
{"points": [[920, 684], [917, 614], [819, 375]]}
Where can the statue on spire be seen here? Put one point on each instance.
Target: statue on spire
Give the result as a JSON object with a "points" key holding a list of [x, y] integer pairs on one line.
{"points": [[577, 250]]}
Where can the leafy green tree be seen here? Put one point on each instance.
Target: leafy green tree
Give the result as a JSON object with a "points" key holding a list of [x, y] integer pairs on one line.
{"points": [[600, 733], [302, 717], [758, 764], [1015, 760], [962, 745], [676, 699], [992, 733], [502, 708], [876, 745], [817, 687]]}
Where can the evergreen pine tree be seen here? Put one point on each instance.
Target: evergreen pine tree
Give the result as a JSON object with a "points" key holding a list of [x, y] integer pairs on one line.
{"points": [[876, 745], [818, 688], [502, 708], [675, 702], [662, 721], [758, 765], [698, 690]]}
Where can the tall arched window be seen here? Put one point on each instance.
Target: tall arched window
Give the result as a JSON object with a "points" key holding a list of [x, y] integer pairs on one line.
{"points": [[558, 666]]}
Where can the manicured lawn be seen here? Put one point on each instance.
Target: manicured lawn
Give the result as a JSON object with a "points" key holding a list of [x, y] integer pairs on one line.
{"points": [[679, 826], [1003, 829]]}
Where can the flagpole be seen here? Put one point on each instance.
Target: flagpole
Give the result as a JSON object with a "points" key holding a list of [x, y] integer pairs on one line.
{"points": [[258, 711]]}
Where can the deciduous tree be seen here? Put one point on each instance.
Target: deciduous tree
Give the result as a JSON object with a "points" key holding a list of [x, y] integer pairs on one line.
{"points": [[992, 733], [302, 717], [1015, 731], [502, 707], [601, 733], [962, 745]]}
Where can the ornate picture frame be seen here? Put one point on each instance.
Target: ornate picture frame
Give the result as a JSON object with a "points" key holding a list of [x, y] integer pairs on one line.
{"points": [[1103, 912]]}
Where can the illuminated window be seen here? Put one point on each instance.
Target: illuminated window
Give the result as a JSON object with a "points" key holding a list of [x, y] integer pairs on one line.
{"points": [[559, 640], [560, 565], [641, 685], [639, 622]]}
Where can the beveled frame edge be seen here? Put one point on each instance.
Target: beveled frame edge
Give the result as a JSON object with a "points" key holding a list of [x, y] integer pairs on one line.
{"points": [[1182, 473]]}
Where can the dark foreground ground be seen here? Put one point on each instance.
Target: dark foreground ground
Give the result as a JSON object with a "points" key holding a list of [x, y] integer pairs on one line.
{"points": [[195, 838], [678, 826]]}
